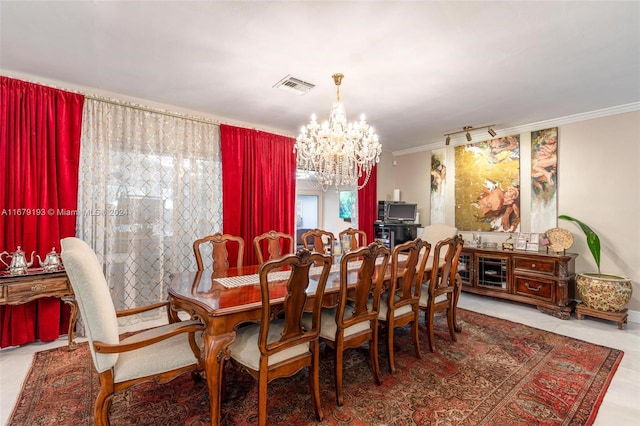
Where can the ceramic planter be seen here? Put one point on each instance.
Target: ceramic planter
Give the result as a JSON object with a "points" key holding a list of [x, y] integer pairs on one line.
{"points": [[603, 292]]}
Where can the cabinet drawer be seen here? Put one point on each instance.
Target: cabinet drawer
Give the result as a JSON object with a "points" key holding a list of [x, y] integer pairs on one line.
{"points": [[540, 289], [28, 290], [535, 265]]}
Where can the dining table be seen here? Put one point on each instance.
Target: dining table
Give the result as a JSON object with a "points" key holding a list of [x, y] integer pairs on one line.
{"points": [[224, 299]]}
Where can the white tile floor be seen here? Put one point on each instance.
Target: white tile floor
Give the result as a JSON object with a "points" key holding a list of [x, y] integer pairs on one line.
{"points": [[621, 405]]}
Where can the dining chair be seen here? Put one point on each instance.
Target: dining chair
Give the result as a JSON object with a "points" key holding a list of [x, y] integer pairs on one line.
{"points": [[281, 347], [318, 240], [219, 250], [442, 291], [357, 236], [354, 321], [277, 245], [156, 355], [398, 306]]}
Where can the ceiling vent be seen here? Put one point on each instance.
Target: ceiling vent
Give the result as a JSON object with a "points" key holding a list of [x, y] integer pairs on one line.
{"points": [[294, 85]]}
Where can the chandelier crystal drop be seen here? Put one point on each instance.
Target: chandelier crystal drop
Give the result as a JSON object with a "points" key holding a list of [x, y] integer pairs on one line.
{"points": [[338, 153]]}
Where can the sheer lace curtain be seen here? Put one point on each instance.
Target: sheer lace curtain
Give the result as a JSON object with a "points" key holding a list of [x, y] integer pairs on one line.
{"points": [[150, 184]]}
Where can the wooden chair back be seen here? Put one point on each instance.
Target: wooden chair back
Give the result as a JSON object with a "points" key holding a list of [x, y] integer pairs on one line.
{"points": [[219, 250], [400, 305], [277, 245], [356, 318], [295, 301], [443, 287], [315, 240], [358, 237]]}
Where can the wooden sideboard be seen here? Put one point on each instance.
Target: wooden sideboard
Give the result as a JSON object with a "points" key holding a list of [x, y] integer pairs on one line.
{"points": [[36, 284], [537, 278]]}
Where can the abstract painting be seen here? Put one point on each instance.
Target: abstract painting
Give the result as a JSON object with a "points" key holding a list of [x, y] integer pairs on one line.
{"points": [[487, 185], [438, 182], [544, 179]]}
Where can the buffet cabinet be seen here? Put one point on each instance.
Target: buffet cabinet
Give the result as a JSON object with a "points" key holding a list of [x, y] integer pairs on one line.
{"points": [[537, 278]]}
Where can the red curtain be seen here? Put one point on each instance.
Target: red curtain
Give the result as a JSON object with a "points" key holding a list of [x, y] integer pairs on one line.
{"points": [[40, 131], [258, 184], [368, 204]]}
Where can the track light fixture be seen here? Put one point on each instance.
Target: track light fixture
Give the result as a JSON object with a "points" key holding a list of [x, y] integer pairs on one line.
{"points": [[467, 129]]}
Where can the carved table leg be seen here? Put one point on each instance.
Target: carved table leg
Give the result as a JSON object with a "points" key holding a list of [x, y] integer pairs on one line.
{"points": [[71, 301], [216, 353]]}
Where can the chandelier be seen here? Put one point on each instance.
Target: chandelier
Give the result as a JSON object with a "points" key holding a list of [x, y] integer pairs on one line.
{"points": [[338, 153]]}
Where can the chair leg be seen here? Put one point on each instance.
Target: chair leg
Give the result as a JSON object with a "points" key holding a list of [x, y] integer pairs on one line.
{"points": [[416, 336], [390, 351], [314, 380], [451, 323], [103, 401], [458, 289], [375, 361], [431, 343], [262, 398], [338, 373]]}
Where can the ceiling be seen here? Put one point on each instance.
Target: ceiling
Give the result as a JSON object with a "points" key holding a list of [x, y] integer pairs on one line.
{"points": [[417, 69]]}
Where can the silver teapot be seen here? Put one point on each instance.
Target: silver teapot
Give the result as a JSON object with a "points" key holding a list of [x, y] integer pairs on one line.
{"points": [[51, 261], [19, 264]]}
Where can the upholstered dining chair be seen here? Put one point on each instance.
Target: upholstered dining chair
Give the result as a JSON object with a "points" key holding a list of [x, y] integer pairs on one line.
{"points": [[277, 245], [280, 347], [219, 250], [398, 306], [442, 291], [354, 321], [318, 240], [357, 236], [156, 355]]}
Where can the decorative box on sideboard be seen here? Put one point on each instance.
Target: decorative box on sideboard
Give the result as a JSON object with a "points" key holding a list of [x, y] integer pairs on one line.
{"points": [[536, 278]]}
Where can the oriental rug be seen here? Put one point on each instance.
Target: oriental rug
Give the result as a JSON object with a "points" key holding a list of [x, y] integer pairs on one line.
{"points": [[497, 373]]}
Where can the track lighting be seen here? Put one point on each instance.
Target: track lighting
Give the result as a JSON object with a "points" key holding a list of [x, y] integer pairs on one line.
{"points": [[467, 132]]}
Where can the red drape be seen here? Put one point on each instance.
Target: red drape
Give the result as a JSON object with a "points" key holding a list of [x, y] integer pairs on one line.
{"points": [[258, 184], [368, 204], [40, 131]]}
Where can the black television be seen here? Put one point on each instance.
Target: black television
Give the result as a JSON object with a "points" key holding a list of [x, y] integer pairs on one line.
{"points": [[402, 212]]}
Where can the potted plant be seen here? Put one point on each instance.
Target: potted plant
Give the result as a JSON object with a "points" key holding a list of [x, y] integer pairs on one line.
{"points": [[602, 292]]}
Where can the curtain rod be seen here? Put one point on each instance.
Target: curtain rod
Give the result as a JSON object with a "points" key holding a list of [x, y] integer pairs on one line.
{"points": [[143, 108], [153, 110]]}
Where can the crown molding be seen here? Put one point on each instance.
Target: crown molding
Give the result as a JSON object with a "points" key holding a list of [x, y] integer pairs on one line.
{"points": [[461, 140]]}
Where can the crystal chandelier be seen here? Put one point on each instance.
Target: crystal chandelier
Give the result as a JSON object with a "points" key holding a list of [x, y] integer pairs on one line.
{"points": [[338, 153]]}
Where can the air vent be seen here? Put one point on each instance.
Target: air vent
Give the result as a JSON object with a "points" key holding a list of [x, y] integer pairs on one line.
{"points": [[294, 85]]}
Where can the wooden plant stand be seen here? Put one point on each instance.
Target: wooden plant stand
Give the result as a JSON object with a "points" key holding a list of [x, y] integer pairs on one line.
{"points": [[619, 317]]}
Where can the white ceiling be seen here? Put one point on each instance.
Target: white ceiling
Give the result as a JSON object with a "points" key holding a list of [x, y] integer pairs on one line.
{"points": [[417, 69]]}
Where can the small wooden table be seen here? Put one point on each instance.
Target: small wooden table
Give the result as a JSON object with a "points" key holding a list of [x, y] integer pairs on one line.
{"points": [[36, 284], [619, 317]]}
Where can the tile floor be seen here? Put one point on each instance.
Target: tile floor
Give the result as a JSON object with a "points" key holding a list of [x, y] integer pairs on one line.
{"points": [[621, 405]]}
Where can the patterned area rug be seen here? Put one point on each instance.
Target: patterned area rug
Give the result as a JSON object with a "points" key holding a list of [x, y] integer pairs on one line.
{"points": [[497, 373]]}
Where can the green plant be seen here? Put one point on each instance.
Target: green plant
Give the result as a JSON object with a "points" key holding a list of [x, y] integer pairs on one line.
{"points": [[593, 241]]}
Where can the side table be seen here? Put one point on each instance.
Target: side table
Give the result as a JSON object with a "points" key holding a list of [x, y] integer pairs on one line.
{"points": [[36, 284], [619, 317]]}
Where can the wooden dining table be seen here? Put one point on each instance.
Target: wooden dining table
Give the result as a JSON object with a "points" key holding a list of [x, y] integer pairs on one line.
{"points": [[224, 299]]}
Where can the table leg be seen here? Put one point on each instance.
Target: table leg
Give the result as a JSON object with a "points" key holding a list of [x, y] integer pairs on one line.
{"points": [[71, 301], [216, 354]]}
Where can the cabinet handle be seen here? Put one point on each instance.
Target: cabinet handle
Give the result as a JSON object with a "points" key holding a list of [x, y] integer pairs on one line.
{"points": [[37, 288], [531, 288], [533, 265]]}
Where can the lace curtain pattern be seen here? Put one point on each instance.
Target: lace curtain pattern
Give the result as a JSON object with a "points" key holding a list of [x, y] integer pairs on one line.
{"points": [[150, 184]]}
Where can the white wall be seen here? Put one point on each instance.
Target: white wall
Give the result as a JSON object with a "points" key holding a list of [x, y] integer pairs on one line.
{"points": [[598, 183]]}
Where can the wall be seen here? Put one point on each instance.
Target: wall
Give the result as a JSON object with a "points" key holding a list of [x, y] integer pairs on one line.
{"points": [[598, 183]]}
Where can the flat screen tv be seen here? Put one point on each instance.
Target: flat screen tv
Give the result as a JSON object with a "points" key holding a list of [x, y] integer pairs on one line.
{"points": [[402, 212]]}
